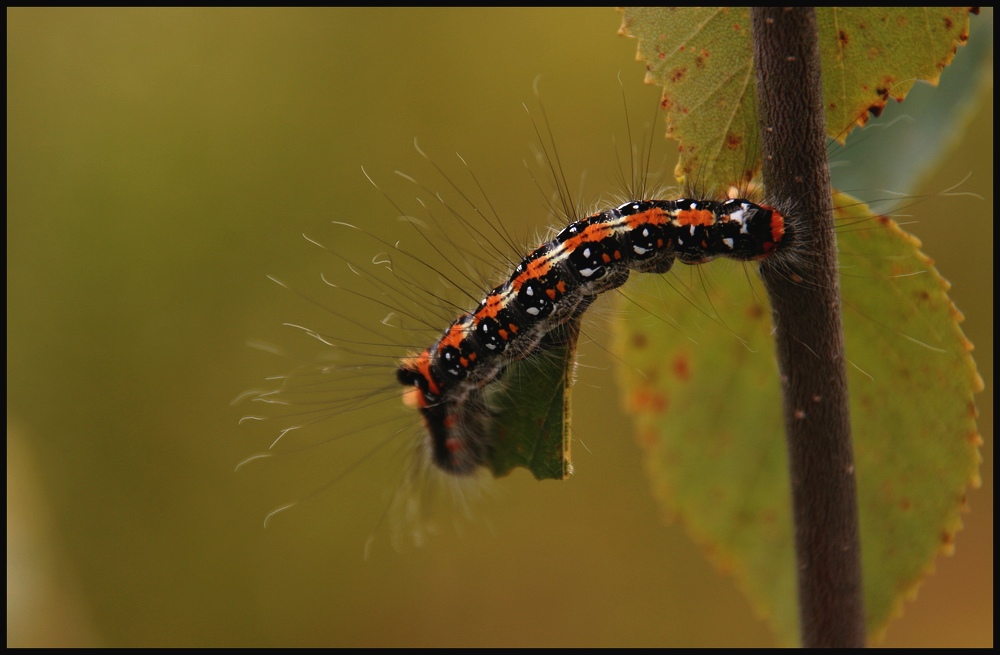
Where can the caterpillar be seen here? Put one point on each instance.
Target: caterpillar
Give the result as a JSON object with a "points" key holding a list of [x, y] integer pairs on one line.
{"points": [[450, 383], [554, 285]]}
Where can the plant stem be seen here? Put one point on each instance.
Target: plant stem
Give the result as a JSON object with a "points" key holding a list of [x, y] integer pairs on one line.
{"points": [[805, 305]]}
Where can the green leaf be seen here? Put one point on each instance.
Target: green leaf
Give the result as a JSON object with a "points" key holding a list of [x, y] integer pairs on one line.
{"points": [[531, 409], [923, 129], [703, 59], [870, 54], [709, 417]]}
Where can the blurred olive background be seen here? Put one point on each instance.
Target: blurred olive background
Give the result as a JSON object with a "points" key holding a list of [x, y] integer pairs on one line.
{"points": [[159, 164]]}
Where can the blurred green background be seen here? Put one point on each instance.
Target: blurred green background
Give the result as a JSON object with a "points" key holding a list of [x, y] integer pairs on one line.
{"points": [[159, 164]]}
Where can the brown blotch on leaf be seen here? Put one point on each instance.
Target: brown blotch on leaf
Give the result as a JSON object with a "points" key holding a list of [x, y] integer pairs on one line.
{"points": [[647, 401], [678, 74], [639, 340], [682, 367], [843, 38], [876, 109]]}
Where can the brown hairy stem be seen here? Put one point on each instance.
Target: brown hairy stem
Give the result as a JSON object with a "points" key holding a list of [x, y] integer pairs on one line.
{"points": [[805, 305]]}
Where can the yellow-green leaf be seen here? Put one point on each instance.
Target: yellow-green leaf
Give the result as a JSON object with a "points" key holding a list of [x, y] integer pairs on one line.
{"points": [[703, 59], [709, 416], [870, 54]]}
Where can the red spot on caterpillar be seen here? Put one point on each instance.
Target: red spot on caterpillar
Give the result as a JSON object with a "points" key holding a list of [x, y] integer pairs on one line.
{"points": [[777, 225], [491, 307], [536, 269], [593, 233], [453, 337], [654, 216], [695, 217]]}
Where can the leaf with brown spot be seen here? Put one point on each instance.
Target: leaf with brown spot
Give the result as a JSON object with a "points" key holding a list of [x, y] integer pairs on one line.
{"points": [[703, 59], [716, 454]]}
